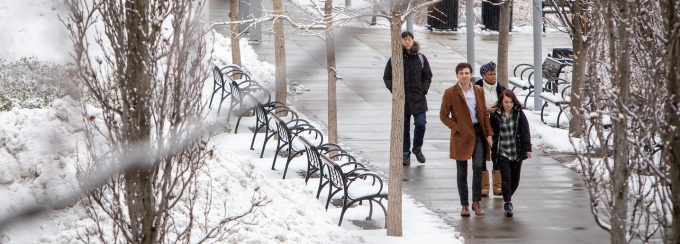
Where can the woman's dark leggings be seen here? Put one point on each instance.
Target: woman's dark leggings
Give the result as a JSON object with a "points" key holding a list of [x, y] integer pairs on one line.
{"points": [[510, 171]]}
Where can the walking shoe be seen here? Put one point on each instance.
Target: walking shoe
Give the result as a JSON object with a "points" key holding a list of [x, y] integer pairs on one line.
{"points": [[419, 155], [508, 209], [407, 160], [465, 212], [477, 208]]}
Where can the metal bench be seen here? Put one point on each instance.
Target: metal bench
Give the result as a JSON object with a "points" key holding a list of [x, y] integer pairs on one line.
{"points": [[356, 186], [262, 111], [239, 98], [220, 84], [288, 133], [333, 151], [560, 97], [552, 68]]}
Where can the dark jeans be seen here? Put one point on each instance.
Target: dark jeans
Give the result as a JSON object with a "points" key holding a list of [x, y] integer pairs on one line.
{"points": [[418, 132], [510, 171], [477, 163]]}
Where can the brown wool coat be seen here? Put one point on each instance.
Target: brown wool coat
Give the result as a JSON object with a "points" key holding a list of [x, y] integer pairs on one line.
{"points": [[455, 114]]}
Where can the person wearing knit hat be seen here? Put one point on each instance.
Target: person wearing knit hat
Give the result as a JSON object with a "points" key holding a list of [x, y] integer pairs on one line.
{"points": [[492, 91]]}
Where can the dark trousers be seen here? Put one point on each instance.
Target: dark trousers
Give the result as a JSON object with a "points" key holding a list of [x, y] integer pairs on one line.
{"points": [[477, 163], [510, 171], [419, 121]]}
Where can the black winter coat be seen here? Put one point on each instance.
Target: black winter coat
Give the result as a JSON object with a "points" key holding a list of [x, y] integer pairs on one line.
{"points": [[522, 134], [417, 79]]}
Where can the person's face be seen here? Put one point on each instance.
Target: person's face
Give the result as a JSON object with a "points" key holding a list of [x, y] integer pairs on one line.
{"points": [[407, 42], [490, 77], [507, 103], [464, 76]]}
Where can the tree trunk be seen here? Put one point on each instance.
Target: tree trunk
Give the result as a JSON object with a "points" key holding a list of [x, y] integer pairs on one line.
{"points": [[139, 194], [579, 71], [503, 41], [394, 221], [332, 76], [673, 85], [280, 55], [620, 123], [235, 47]]}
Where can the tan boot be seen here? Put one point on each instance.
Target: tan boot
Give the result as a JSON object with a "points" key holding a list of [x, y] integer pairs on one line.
{"points": [[497, 183], [485, 183]]}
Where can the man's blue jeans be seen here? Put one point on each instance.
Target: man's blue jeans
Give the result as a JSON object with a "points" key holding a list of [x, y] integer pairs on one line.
{"points": [[419, 120]]}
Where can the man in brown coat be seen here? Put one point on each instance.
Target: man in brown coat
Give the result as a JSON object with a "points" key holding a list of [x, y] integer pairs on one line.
{"points": [[464, 111]]}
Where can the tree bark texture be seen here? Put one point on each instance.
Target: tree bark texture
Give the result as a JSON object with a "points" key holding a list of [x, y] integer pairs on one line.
{"points": [[580, 47], [332, 76], [394, 208], [280, 55], [621, 85], [235, 47], [503, 42], [671, 9], [139, 193], [146, 88]]}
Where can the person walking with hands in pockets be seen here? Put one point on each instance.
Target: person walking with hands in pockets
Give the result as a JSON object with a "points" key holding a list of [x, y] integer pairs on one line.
{"points": [[511, 143], [417, 80], [463, 110]]}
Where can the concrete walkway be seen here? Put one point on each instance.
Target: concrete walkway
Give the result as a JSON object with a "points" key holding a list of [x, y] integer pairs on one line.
{"points": [[551, 205]]}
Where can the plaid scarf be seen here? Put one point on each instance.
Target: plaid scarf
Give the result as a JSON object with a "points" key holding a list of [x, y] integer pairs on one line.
{"points": [[506, 144]]}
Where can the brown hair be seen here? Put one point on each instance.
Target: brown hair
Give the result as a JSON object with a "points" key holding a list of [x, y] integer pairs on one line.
{"points": [[511, 95], [461, 66]]}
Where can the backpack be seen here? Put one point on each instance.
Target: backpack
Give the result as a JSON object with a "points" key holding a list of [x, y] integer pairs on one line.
{"points": [[422, 63]]}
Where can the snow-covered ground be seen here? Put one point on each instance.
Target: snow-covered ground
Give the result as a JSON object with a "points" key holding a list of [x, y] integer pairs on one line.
{"points": [[41, 148]]}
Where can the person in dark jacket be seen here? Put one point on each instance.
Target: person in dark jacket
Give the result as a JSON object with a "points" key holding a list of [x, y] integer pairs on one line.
{"points": [[511, 143], [417, 79], [492, 91]]}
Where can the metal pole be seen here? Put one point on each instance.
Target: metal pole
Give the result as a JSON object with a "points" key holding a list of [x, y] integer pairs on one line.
{"points": [[538, 55], [256, 11], [409, 23], [470, 22], [348, 3]]}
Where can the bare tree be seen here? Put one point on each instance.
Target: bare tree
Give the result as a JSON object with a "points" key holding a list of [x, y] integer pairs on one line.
{"points": [[503, 41], [148, 83], [332, 74], [235, 37], [621, 84], [578, 22], [396, 12], [627, 179], [280, 55], [671, 10]]}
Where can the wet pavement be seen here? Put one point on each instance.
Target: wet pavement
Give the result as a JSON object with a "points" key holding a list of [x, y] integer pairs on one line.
{"points": [[551, 204]]}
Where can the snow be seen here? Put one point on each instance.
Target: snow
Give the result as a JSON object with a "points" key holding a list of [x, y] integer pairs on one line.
{"points": [[41, 149], [35, 30]]}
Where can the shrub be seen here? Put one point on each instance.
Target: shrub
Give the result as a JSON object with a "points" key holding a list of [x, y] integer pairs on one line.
{"points": [[30, 83]]}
